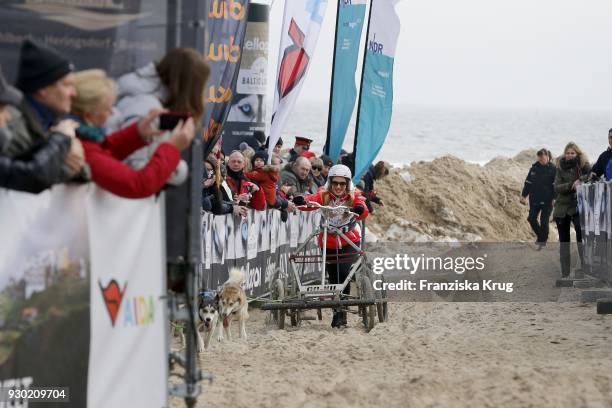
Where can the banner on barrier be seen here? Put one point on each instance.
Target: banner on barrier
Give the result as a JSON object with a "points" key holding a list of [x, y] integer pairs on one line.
{"points": [[260, 244], [81, 281]]}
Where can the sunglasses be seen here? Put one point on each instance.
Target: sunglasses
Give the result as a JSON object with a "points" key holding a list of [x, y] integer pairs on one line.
{"points": [[339, 183], [317, 168]]}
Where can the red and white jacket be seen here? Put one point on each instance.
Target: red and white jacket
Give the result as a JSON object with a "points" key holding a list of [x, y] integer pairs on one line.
{"points": [[324, 197]]}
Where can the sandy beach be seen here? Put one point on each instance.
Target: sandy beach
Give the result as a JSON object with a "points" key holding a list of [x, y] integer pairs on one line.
{"points": [[536, 347], [427, 355]]}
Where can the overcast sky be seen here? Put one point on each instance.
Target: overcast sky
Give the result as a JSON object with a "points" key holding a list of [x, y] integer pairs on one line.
{"points": [[514, 53]]}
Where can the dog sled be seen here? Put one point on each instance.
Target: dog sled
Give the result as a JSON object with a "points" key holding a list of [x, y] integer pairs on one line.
{"points": [[290, 296]]}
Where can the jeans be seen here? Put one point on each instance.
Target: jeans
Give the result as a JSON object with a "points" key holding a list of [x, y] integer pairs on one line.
{"points": [[539, 228], [563, 225], [338, 268]]}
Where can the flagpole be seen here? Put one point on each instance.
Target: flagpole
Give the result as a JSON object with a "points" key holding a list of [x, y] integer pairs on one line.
{"points": [[365, 51], [331, 85]]}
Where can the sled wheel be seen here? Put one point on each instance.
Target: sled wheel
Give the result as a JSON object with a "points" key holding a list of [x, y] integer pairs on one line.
{"points": [[319, 314], [278, 293], [368, 313], [604, 306], [381, 306]]}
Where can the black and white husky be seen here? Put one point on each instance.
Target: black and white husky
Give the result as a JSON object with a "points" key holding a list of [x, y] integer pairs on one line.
{"points": [[208, 313]]}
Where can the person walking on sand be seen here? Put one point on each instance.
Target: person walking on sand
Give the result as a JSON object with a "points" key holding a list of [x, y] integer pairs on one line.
{"points": [[572, 169], [539, 187]]}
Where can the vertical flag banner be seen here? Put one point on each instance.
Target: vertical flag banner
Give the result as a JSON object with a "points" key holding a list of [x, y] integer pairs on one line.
{"points": [[349, 26], [227, 21], [247, 112], [376, 98], [127, 367], [301, 26]]}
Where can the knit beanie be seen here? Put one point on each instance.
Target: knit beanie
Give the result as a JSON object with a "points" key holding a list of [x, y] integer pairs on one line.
{"points": [[259, 154], [40, 66]]}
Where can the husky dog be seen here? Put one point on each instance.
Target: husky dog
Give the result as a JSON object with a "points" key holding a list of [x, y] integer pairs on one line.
{"points": [[209, 317], [232, 305]]}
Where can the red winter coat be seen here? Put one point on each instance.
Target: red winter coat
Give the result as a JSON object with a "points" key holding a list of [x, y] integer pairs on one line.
{"points": [[258, 199], [109, 172], [266, 177], [323, 197]]}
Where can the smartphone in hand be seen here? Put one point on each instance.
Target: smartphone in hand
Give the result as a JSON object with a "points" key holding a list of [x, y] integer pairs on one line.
{"points": [[168, 121]]}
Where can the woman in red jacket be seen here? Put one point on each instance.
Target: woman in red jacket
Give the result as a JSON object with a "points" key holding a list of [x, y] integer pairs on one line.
{"points": [[92, 107], [338, 191]]}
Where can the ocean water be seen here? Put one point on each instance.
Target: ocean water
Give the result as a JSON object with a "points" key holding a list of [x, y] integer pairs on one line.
{"points": [[475, 135]]}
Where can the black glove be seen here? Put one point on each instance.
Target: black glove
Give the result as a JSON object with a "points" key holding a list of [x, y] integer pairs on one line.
{"points": [[358, 209], [299, 200]]}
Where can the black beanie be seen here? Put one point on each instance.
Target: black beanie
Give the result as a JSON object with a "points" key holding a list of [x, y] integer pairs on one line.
{"points": [[40, 66], [259, 154]]}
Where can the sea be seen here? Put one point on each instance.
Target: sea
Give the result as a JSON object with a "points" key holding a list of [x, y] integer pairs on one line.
{"points": [[476, 135]]}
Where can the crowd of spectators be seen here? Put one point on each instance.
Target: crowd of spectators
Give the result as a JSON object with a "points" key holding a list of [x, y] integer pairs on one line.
{"points": [[59, 125]]}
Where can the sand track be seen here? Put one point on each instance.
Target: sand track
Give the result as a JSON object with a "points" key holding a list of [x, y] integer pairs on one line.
{"points": [[427, 355]]}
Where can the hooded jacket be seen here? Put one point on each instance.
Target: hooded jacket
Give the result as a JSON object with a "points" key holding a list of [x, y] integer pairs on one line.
{"points": [[266, 177], [539, 184], [567, 173]]}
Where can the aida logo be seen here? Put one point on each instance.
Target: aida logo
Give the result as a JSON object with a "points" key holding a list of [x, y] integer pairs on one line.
{"points": [[113, 296], [374, 46], [135, 311], [139, 311]]}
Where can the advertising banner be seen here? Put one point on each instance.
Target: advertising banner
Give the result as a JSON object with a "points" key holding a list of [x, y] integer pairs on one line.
{"points": [[248, 110], [260, 244], [376, 99], [116, 36], [81, 282], [349, 26], [301, 26], [227, 21]]}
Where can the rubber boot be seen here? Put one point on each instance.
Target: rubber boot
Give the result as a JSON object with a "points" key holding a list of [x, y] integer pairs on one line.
{"points": [[342, 319], [335, 319]]}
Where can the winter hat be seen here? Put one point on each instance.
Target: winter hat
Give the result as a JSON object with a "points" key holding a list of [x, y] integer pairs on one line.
{"points": [[260, 136], [8, 94], [327, 161], [259, 154], [40, 66]]}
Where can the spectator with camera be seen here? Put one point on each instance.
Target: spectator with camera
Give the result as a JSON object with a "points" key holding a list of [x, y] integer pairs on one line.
{"points": [[92, 106], [46, 80], [244, 192], [176, 83]]}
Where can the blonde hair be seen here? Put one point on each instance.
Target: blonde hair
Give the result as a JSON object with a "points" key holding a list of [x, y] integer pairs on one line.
{"points": [[92, 85], [581, 156]]}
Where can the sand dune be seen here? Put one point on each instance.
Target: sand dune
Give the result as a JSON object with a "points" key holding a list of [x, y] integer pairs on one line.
{"points": [[449, 199]]}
